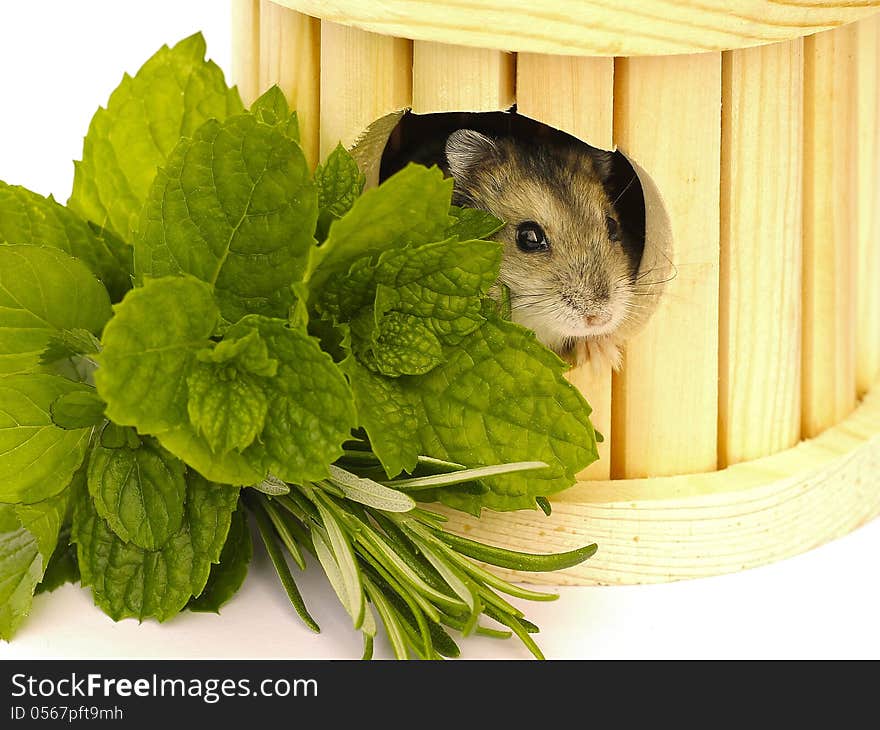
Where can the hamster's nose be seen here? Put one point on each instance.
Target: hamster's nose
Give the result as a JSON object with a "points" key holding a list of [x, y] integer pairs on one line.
{"points": [[597, 319]]}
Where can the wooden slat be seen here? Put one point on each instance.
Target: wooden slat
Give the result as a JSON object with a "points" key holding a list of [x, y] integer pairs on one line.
{"points": [[830, 231], [364, 76], [246, 48], [665, 400], [290, 56], [594, 27], [761, 254], [452, 78], [868, 202], [582, 104]]}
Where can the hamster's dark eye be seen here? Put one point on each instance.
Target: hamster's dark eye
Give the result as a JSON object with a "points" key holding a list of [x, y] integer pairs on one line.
{"points": [[530, 237], [613, 228]]}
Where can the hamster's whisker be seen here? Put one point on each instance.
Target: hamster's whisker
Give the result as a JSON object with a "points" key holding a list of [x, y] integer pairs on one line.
{"points": [[623, 192], [545, 294], [652, 270], [644, 273], [654, 283], [671, 263]]}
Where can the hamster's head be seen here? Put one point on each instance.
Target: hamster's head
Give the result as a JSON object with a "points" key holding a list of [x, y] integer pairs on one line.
{"points": [[568, 264]]}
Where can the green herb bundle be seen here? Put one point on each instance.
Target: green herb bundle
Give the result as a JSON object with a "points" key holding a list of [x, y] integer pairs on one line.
{"points": [[210, 330]]}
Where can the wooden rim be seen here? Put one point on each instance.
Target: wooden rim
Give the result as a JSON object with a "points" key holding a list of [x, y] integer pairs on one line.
{"points": [[579, 27], [673, 528]]}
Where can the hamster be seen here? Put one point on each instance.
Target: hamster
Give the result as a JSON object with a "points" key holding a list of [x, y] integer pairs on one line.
{"points": [[570, 265]]}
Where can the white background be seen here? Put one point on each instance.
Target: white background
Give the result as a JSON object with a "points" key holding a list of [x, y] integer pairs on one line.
{"points": [[60, 59]]}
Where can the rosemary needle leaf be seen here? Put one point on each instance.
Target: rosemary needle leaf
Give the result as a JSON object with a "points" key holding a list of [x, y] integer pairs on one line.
{"points": [[492, 633], [353, 603], [393, 628], [368, 647], [283, 531], [264, 525], [516, 560], [466, 475], [273, 486], [370, 493], [346, 563]]}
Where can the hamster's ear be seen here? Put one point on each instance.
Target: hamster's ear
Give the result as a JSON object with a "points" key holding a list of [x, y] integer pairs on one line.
{"points": [[603, 161], [467, 150]]}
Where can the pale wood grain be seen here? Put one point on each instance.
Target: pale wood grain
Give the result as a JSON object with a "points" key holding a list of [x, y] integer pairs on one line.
{"points": [[598, 28], [290, 56], [674, 528], [761, 251], [665, 399], [582, 104], [452, 78], [246, 48], [868, 203], [364, 76], [830, 232]]}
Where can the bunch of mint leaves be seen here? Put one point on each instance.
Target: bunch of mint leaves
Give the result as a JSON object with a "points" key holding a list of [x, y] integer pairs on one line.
{"points": [[209, 331]]}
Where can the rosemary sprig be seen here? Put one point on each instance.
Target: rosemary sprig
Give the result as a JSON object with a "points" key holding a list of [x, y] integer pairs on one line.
{"points": [[390, 561]]}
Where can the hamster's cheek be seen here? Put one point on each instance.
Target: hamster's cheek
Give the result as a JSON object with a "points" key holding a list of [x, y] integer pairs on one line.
{"points": [[542, 323], [524, 274]]}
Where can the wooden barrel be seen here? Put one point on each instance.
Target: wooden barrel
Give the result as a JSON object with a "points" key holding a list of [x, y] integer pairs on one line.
{"points": [[744, 426]]}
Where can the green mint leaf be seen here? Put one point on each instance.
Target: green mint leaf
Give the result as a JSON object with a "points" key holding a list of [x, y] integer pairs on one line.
{"points": [[28, 218], [499, 397], [130, 582], [443, 283], [113, 436], [28, 537], [247, 353], [389, 414], [346, 295], [229, 468], [235, 207], [227, 403], [79, 409], [227, 576], [150, 347], [70, 343], [505, 312], [272, 109], [471, 224], [172, 95], [37, 459], [400, 344], [20, 571], [340, 182], [409, 208], [226, 406], [62, 567], [298, 316], [422, 298], [311, 411], [139, 492], [44, 290], [43, 519]]}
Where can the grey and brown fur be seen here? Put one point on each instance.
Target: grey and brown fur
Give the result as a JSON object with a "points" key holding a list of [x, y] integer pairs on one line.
{"points": [[578, 295]]}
